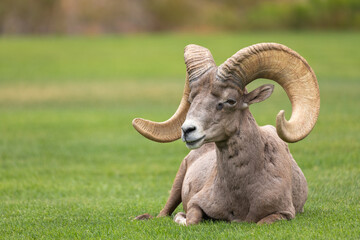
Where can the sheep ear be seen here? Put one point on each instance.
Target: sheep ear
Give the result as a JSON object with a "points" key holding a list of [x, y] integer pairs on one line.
{"points": [[259, 94]]}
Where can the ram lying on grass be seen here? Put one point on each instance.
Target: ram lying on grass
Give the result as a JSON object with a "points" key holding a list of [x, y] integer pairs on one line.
{"points": [[238, 171]]}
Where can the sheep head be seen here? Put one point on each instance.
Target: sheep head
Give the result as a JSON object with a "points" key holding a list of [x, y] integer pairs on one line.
{"points": [[215, 96], [216, 109]]}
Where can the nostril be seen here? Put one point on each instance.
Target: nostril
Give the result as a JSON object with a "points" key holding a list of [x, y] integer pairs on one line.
{"points": [[188, 129]]}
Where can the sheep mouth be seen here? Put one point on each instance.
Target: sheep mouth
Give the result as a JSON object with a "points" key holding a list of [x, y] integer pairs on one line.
{"points": [[195, 143]]}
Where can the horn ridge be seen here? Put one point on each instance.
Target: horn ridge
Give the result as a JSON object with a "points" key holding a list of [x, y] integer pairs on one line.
{"points": [[198, 60]]}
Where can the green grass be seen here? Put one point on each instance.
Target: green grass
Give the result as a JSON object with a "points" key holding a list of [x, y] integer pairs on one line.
{"points": [[71, 166]]}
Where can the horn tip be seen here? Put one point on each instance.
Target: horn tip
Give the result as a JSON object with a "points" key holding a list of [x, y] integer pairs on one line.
{"points": [[281, 128], [139, 124], [285, 129], [142, 126], [136, 122], [281, 115]]}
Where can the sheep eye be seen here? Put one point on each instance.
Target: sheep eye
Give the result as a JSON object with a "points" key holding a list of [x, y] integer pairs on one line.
{"points": [[219, 106], [231, 101]]}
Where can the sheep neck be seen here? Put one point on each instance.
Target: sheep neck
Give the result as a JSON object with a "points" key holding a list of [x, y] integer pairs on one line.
{"points": [[239, 157]]}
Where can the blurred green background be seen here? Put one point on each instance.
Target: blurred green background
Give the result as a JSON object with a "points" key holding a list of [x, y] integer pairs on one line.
{"points": [[109, 16], [73, 75]]}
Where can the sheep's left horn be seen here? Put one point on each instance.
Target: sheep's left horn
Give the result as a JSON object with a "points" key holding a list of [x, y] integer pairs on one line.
{"points": [[286, 67], [169, 130]]}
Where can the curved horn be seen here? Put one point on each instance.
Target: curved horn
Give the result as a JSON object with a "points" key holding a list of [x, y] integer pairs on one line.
{"points": [[169, 130], [286, 67], [198, 60]]}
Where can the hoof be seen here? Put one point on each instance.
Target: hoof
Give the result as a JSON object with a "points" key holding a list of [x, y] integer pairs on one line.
{"points": [[180, 218], [144, 216]]}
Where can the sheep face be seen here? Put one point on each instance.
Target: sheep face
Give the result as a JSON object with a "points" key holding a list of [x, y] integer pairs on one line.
{"points": [[216, 109]]}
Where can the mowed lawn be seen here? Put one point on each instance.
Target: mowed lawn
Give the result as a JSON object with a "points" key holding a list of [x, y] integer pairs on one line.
{"points": [[72, 166]]}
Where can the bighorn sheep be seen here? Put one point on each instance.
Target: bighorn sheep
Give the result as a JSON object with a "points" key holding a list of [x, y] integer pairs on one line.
{"points": [[238, 171]]}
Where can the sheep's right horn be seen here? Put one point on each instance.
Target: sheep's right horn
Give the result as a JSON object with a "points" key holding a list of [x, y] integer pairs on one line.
{"points": [[169, 130], [198, 60]]}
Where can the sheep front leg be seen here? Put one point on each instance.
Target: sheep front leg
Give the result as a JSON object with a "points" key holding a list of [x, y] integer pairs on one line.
{"points": [[194, 215], [175, 194]]}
